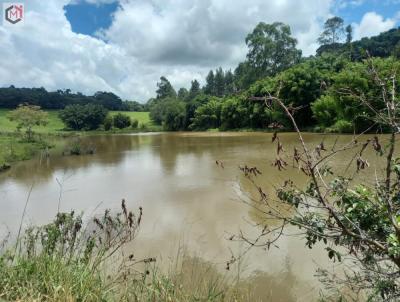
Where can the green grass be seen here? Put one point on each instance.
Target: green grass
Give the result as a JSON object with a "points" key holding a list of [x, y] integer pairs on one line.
{"points": [[14, 148], [141, 117], [55, 125]]}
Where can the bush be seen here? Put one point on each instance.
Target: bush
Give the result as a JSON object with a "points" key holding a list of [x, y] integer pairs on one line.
{"points": [[135, 124], [61, 261], [142, 127], [325, 110], [170, 113], [108, 123], [83, 117], [207, 116], [174, 116], [233, 114], [121, 121], [342, 126]]}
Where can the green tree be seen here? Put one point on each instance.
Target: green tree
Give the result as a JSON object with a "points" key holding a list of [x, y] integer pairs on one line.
{"points": [[108, 100], [333, 31], [349, 108], [219, 82], [210, 84], [271, 48], [28, 116], [299, 86], [170, 113], [174, 115], [192, 105], [83, 117], [183, 93], [194, 89], [349, 34], [244, 75], [325, 111], [229, 83], [208, 115], [165, 89], [234, 114]]}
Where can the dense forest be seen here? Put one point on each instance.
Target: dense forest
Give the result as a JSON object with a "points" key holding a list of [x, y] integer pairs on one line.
{"points": [[313, 87]]}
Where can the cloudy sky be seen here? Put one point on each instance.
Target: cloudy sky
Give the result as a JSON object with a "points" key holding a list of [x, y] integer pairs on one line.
{"points": [[125, 46]]}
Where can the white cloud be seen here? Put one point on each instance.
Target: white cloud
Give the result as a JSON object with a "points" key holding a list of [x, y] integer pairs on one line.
{"points": [[342, 4], [181, 39], [371, 25]]}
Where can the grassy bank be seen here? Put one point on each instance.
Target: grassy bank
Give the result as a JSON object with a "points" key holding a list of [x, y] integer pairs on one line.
{"points": [[14, 148], [70, 260]]}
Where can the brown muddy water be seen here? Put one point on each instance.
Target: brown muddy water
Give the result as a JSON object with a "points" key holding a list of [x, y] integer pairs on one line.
{"points": [[189, 202]]}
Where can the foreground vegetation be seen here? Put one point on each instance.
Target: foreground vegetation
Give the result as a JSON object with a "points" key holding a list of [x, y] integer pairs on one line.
{"points": [[72, 260]]}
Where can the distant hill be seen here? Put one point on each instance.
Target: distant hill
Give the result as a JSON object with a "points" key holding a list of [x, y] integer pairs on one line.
{"points": [[382, 45]]}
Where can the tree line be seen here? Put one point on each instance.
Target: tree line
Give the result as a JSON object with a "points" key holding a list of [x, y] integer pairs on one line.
{"points": [[11, 97], [310, 86]]}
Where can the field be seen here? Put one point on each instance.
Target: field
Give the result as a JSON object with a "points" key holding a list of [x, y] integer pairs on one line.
{"points": [[55, 124], [142, 117]]}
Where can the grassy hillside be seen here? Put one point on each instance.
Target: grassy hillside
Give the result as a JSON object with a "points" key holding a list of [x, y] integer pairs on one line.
{"points": [[55, 124]]}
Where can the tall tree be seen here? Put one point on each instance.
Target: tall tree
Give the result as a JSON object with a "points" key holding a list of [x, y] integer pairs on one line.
{"points": [[194, 89], [349, 33], [210, 84], [229, 82], [183, 93], [165, 89], [333, 31], [272, 48], [28, 116], [245, 75], [219, 82]]}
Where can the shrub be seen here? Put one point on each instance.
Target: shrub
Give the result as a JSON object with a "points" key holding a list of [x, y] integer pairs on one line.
{"points": [[108, 123], [207, 116], [135, 124], [342, 126], [325, 110], [83, 117], [121, 121], [63, 261]]}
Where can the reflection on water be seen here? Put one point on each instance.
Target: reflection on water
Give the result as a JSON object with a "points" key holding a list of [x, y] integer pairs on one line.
{"points": [[187, 199]]}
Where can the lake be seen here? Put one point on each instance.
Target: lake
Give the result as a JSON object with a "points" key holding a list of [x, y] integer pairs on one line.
{"points": [[190, 204]]}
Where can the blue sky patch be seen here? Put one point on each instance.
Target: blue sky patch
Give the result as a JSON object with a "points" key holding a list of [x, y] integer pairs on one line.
{"points": [[354, 10], [87, 18]]}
